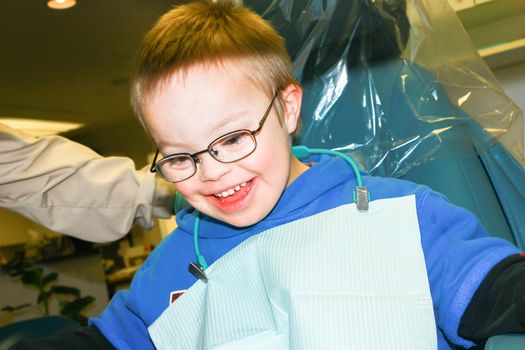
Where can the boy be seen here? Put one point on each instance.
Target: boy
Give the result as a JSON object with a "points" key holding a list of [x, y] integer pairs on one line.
{"points": [[215, 90]]}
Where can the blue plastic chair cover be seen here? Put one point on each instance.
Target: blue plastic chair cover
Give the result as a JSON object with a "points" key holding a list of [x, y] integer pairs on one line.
{"points": [[33, 329], [401, 89]]}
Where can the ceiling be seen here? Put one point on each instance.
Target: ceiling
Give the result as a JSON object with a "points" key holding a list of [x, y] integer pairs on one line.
{"points": [[74, 65]]}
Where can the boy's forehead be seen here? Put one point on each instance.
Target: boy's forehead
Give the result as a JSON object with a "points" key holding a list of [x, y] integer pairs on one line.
{"points": [[205, 86], [202, 101]]}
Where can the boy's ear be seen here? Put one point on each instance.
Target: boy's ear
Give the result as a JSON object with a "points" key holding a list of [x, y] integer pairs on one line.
{"points": [[291, 96]]}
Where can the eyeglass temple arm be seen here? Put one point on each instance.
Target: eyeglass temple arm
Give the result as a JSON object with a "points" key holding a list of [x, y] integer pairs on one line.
{"points": [[153, 169], [267, 112]]}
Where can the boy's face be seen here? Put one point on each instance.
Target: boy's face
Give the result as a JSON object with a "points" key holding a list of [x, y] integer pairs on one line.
{"points": [[193, 109]]}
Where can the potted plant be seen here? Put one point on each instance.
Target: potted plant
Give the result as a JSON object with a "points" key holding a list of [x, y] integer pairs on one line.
{"points": [[71, 302]]}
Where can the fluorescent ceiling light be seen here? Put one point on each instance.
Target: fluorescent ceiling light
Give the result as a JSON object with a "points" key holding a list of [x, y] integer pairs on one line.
{"points": [[37, 128]]}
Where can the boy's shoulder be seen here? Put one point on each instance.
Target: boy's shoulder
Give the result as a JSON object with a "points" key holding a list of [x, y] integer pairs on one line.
{"points": [[334, 178], [387, 187], [427, 199]]}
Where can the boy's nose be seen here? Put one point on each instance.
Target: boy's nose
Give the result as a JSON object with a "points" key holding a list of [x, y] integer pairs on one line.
{"points": [[210, 169]]}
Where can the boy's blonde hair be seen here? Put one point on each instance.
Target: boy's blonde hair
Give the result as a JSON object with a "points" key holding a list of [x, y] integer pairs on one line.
{"points": [[209, 33]]}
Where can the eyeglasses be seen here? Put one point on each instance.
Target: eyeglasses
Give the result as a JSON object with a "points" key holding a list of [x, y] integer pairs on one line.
{"points": [[228, 148]]}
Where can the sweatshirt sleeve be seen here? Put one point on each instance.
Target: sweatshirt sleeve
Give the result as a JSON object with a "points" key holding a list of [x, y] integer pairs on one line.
{"points": [[69, 188], [459, 254], [122, 326], [498, 307]]}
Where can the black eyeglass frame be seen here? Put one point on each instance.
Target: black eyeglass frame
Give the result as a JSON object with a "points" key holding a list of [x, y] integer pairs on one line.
{"points": [[193, 156]]}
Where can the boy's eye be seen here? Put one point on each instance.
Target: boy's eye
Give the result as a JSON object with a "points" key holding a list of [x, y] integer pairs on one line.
{"points": [[233, 146], [179, 163], [232, 140]]}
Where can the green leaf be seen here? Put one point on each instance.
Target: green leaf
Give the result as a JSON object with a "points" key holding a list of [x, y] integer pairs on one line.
{"points": [[73, 308], [43, 296], [14, 308], [33, 277], [15, 272], [49, 278], [18, 265], [66, 290]]}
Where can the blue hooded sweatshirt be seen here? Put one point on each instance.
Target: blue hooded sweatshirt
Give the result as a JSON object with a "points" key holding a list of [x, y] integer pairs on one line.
{"points": [[458, 252]]}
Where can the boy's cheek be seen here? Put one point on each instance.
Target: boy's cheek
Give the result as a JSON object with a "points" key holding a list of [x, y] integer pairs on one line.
{"points": [[184, 189], [266, 164]]}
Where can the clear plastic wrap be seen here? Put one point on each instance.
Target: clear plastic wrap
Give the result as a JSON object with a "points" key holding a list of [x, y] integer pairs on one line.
{"points": [[369, 53], [398, 85]]}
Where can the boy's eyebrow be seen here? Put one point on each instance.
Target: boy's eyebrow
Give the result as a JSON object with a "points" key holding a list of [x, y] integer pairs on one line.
{"points": [[230, 118], [168, 144]]}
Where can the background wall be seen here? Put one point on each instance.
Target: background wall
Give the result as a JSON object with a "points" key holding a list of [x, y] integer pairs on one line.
{"points": [[512, 79]]}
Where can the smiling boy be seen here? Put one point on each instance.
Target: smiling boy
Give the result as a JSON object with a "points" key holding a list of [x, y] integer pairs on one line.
{"points": [[215, 90]]}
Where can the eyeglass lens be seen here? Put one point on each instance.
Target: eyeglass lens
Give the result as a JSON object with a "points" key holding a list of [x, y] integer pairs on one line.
{"points": [[227, 149]]}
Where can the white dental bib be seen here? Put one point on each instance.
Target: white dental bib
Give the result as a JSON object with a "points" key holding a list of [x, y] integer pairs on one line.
{"points": [[340, 279]]}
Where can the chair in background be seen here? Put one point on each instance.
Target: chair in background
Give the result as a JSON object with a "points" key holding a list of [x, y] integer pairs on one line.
{"points": [[391, 114], [33, 329]]}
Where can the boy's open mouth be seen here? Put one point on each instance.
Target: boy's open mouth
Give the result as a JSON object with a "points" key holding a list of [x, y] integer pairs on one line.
{"points": [[233, 194], [230, 192]]}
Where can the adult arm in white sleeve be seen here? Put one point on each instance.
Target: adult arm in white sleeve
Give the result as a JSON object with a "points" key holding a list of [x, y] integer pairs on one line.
{"points": [[71, 189]]}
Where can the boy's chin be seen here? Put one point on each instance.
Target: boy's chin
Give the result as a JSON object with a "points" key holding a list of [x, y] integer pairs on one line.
{"points": [[239, 220]]}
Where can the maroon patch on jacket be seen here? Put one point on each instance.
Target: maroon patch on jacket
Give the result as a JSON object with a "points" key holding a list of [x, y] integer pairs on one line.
{"points": [[175, 295]]}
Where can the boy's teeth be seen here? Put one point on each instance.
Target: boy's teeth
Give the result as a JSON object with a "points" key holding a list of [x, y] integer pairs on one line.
{"points": [[230, 191]]}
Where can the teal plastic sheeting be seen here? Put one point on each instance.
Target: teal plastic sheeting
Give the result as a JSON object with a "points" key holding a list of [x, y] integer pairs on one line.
{"points": [[397, 85]]}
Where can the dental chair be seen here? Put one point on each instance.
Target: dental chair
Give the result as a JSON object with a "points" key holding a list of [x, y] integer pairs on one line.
{"points": [[441, 154], [368, 92], [33, 329]]}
